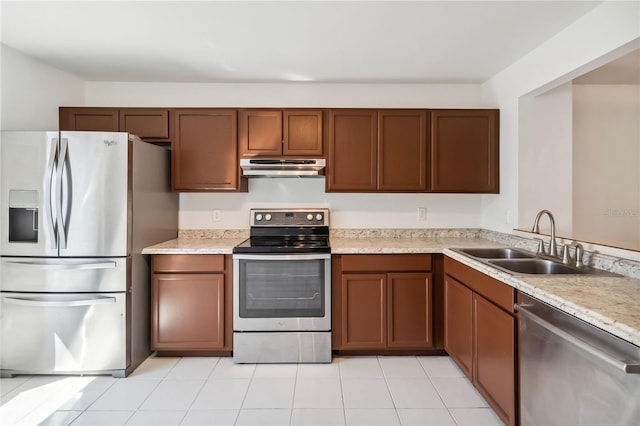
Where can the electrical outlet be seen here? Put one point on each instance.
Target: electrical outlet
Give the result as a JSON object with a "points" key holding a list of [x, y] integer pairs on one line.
{"points": [[216, 215], [422, 213]]}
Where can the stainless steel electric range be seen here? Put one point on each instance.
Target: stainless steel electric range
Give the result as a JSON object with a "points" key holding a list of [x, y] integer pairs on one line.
{"points": [[282, 288]]}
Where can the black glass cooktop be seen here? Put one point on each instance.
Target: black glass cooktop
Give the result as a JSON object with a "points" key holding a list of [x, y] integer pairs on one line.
{"points": [[301, 244]]}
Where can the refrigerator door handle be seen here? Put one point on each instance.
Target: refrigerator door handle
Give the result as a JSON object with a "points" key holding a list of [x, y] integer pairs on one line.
{"points": [[64, 266], [45, 303], [62, 158], [51, 168]]}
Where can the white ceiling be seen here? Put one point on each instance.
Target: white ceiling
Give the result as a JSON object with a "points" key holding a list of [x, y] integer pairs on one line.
{"points": [[269, 41]]}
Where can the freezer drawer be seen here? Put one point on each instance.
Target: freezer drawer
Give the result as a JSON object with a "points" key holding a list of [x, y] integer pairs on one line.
{"points": [[58, 275], [62, 333]]}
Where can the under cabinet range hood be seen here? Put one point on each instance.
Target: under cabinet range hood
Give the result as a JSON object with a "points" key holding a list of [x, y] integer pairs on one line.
{"points": [[282, 167]]}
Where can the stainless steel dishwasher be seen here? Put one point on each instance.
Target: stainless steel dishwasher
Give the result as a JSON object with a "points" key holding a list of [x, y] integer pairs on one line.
{"points": [[572, 373]]}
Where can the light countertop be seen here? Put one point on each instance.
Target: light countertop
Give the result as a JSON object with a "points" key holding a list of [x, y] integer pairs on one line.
{"points": [[610, 303]]}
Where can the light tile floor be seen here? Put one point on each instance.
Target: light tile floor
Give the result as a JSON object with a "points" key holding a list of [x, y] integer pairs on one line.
{"points": [[215, 391]]}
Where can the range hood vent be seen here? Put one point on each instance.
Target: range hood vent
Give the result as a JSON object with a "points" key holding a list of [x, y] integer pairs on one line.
{"points": [[282, 167]]}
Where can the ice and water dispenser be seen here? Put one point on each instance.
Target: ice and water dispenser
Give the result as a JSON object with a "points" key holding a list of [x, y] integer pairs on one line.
{"points": [[23, 216]]}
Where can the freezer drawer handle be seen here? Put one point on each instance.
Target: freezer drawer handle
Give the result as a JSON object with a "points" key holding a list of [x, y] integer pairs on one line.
{"points": [[43, 303], [632, 367], [66, 266]]}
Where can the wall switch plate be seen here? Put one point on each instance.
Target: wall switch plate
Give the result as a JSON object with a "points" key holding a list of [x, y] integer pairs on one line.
{"points": [[216, 216], [422, 213]]}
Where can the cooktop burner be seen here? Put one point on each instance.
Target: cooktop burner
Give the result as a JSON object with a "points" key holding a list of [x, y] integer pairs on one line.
{"points": [[287, 231]]}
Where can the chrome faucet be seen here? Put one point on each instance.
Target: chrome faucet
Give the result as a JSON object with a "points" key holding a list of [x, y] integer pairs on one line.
{"points": [[553, 249]]}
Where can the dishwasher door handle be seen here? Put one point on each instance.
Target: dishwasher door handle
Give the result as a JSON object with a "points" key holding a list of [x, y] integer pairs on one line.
{"points": [[630, 367]]}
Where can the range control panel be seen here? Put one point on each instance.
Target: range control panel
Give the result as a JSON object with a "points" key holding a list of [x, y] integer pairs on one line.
{"points": [[289, 217]]}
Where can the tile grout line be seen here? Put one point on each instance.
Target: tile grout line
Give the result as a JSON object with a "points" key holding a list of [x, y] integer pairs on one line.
{"points": [[386, 382]]}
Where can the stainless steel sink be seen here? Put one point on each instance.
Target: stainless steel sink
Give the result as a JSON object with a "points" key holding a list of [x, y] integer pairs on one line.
{"points": [[522, 262], [497, 253], [537, 266]]}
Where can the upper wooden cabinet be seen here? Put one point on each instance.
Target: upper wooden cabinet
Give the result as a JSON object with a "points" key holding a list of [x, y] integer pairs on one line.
{"points": [[89, 119], [276, 133], [371, 150], [464, 151], [402, 150], [147, 123], [205, 151], [353, 156]]}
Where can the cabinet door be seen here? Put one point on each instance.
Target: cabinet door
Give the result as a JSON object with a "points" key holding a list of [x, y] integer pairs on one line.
{"points": [[302, 133], [352, 150], [464, 151], [402, 150], [494, 347], [89, 119], [145, 123], [187, 311], [260, 133], [364, 312], [205, 150], [458, 324], [409, 311]]}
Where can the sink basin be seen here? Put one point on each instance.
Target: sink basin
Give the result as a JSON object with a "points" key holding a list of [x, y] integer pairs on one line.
{"points": [[496, 253], [536, 266]]}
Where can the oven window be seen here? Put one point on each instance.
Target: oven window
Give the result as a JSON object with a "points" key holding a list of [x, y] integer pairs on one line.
{"points": [[281, 288]]}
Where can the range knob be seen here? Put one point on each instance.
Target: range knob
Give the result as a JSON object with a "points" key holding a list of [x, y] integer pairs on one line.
{"points": [[309, 216], [267, 216], [258, 216], [319, 217]]}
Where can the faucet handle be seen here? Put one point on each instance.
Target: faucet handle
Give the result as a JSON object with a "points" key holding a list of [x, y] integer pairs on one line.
{"points": [[540, 246], [579, 253], [566, 256]]}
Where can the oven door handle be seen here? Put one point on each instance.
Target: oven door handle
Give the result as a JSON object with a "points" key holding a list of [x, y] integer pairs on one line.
{"points": [[282, 256]]}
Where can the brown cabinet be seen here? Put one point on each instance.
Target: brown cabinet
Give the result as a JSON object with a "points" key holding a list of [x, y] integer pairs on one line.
{"points": [[191, 304], [371, 150], [402, 150], [480, 334], [464, 151], [382, 303], [150, 124], [89, 119], [458, 323], [205, 155], [353, 156], [276, 133]]}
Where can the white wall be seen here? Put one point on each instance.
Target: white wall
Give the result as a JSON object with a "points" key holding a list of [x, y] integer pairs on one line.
{"points": [[605, 33], [32, 92], [545, 158], [347, 210], [606, 197]]}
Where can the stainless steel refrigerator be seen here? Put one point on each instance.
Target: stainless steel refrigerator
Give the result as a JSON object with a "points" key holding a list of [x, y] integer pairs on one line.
{"points": [[76, 209]]}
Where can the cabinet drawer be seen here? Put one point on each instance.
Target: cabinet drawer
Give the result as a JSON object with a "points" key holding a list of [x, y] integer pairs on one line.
{"points": [[497, 292], [386, 262], [187, 262]]}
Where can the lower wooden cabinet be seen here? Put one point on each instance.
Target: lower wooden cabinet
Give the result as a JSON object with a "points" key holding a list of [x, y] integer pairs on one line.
{"points": [[480, 335], [191, 304], [382, 303]]}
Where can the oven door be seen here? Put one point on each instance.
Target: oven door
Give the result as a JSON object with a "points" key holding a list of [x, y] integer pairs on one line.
{"points": [[273, 292]]}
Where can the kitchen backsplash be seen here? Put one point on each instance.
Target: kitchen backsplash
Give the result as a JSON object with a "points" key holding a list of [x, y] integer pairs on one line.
{"points": [[619, 265]]}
